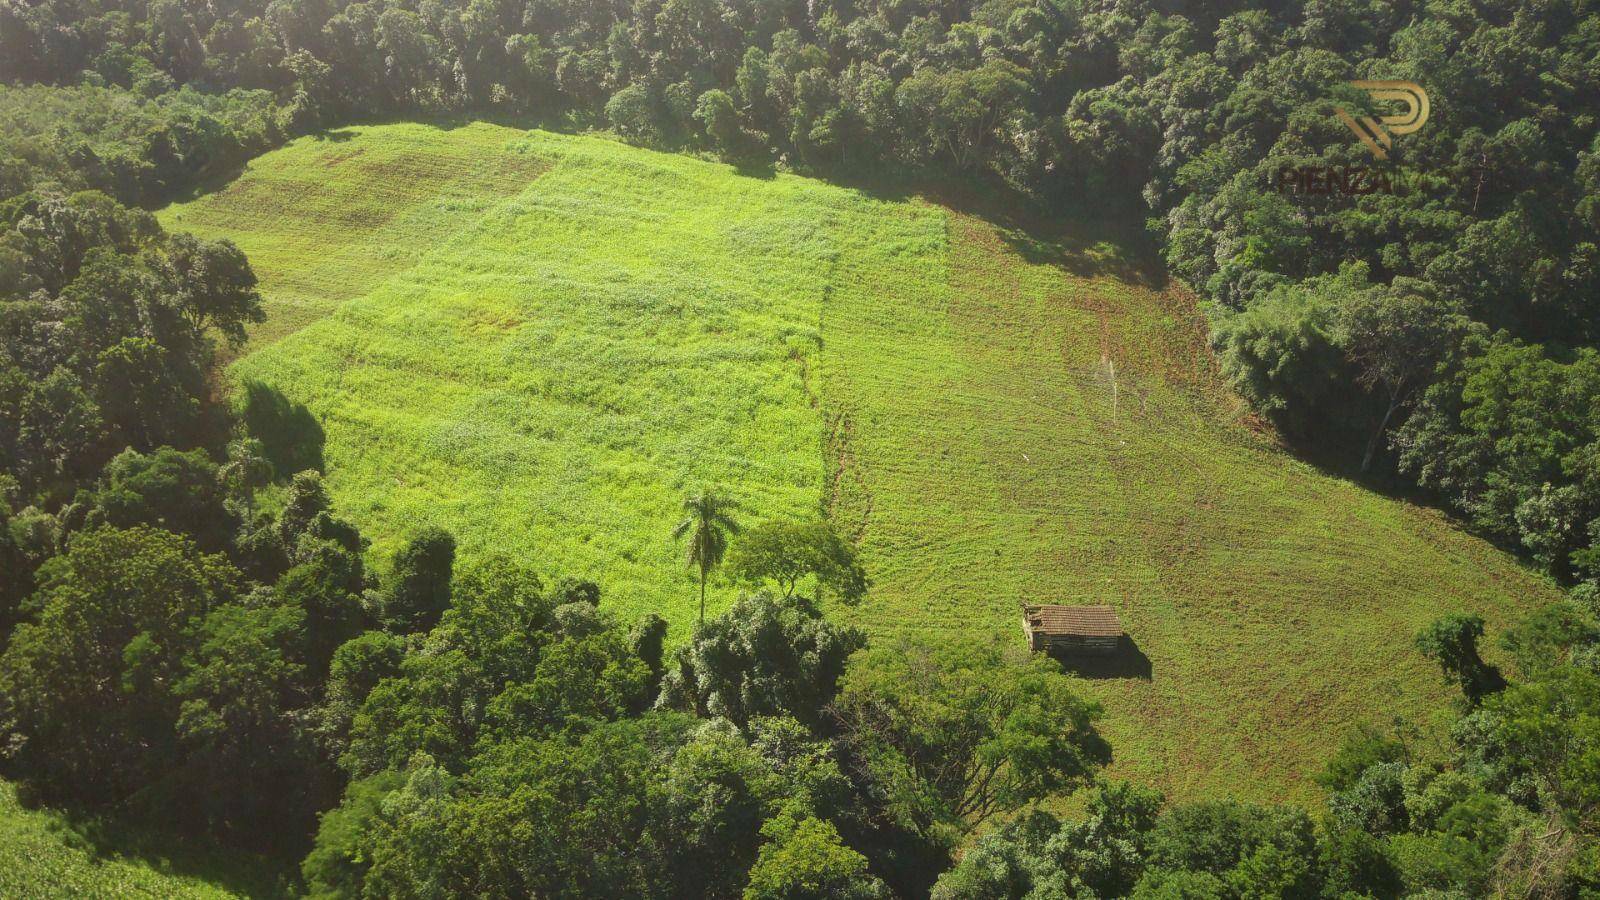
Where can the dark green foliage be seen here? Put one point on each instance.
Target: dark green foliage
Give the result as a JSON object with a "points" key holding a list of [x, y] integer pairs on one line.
{"points": [[1375, 803], [1357, 864], [1362, 748], [1560, 634], [573, 590], [247, 761], [167, 489], [16, 573], [90, 686], [1102, 854], [325, 590], [519, 763], [970, 737], [215, 286], [763, 657], [534, 818], [1548, 727], [717, 114], [137, 147], [1514, 437], [419, 585], [307, 499], [490, 640], [589, 675], [1254, 851], [648, 642], [806, 860], [1461, 851], [1282, 355], [636, 116], [149, 679], [1452, 642], [101, 345], [336, 865], [362, 662], [1009, 862], [785, 553]]}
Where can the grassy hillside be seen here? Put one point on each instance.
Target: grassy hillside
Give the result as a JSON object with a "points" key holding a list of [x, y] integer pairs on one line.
{"points": [[557, 374], [40, 857], [1020, 423], [331, 217], [547, 348]]}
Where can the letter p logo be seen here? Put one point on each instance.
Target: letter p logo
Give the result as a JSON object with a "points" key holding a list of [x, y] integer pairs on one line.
{"points": [[1376, 132]]}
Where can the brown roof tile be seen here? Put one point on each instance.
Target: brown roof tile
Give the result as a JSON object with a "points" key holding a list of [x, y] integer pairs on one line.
{"points": [[1083, 621]]}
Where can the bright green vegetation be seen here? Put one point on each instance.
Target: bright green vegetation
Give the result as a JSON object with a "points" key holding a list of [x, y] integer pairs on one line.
{"points": [[548, 366], [556, 375], [331, 217], [41, 857]]}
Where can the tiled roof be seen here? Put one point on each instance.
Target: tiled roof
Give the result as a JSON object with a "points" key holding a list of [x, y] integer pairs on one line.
{"points": [[1083, 621]]}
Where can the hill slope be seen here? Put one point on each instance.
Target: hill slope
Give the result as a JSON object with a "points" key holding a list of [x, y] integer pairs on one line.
{"points": [[548, 348]]}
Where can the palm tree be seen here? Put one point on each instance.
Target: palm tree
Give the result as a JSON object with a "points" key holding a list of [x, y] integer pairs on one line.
{"points": [[708, 526]]}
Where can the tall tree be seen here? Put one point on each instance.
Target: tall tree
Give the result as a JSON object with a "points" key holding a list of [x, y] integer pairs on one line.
{"points": [[762, 657], [419, 590], [788, 552], [971, 736], [708, 525], [1395, 338], [89, 685]]}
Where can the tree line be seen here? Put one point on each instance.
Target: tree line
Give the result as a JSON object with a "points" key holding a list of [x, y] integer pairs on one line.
{"points": [[208, 651]]}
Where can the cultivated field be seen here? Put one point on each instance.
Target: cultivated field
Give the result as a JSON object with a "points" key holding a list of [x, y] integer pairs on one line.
{"points": [[546, 346]]}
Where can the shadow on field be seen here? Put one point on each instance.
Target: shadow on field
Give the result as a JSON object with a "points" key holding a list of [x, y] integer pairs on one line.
{"points": [[1106, 237], [1127, 662], [290, 435], [754, 167], [102, 838], [1109, 240]]}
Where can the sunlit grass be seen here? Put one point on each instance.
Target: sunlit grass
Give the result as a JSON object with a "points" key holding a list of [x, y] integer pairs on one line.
{"points": [[548, 347], [553, 378], [1011, 431]]}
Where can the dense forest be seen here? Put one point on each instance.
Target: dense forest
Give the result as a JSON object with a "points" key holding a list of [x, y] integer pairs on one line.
{"points": [[192, 635]]}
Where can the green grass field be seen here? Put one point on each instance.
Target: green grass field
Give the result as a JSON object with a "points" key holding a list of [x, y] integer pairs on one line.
{"points": [[549, 343]]}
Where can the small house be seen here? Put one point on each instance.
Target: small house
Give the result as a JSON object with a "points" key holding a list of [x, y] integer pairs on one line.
{"points": [[1080, 630]]}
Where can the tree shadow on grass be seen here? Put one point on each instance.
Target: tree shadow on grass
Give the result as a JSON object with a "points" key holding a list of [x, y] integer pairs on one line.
{"points": [[290, 435], [105, 839], [1106, 238], [1128, 661], [333, 135], [755, 167]]}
